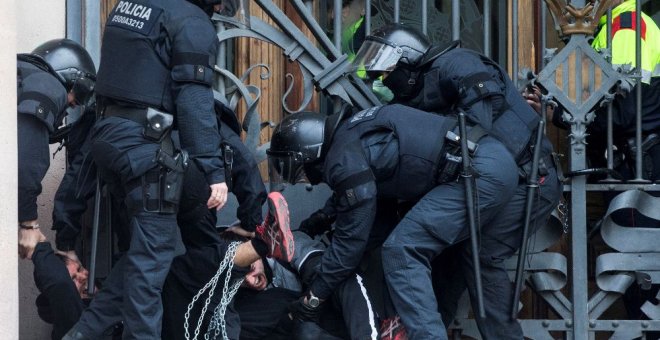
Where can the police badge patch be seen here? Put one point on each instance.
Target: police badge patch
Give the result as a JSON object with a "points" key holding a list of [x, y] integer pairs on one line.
{"points": [[135, 16], [364, 115]]}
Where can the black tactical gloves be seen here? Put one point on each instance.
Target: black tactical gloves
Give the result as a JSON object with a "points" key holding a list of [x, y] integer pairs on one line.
{"points": [[302, 310], [316, 224]]}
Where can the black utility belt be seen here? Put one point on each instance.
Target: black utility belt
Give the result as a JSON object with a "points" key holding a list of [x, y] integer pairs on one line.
{"points": [[156, 123], [451, 158]]}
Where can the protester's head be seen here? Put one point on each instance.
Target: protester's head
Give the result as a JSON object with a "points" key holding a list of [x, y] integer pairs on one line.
{"points": [[72, 65], [78, 274], [351, 11], [256, 279]]}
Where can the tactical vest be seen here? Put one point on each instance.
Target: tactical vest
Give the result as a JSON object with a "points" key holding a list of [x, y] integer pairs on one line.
{"points": [[138, 61], [421, 138], [517, 122], [39, 93], [514, 122]]}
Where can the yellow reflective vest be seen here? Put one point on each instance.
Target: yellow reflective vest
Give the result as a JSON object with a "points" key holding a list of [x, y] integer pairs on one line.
{"points": [[624, 37]]}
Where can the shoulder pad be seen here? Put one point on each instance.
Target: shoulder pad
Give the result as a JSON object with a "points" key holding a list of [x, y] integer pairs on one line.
{"points": [[39, 62], [478, 86]]}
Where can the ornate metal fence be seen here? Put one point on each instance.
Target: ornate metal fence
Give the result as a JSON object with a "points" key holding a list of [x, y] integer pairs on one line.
{"points": [[576, 77]]}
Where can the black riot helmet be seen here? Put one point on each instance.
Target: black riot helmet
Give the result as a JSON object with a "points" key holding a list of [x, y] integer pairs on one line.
{"points": [[72, 65], [390, 46], [397, 50], [297, 147]]}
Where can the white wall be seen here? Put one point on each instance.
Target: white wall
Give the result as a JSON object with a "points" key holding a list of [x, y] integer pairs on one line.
{"points": [[37, 21], [8, 215]]}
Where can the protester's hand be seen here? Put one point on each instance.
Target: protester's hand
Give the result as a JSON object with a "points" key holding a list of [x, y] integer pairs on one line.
{"points": [[27, 241], [71, 254], [301, 310], [533, 97], [236, 229], [316, 224], [218, 196]]}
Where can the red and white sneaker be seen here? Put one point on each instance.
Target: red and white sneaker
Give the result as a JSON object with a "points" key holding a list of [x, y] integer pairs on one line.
{"points": [[276, 231]]}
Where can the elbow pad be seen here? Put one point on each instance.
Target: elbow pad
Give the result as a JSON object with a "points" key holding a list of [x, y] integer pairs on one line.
{"points": [[355, 189], [478, 86], [192, 68]]}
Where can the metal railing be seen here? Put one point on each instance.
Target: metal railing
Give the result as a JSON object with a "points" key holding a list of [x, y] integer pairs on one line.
{"points": [[576, 78]]}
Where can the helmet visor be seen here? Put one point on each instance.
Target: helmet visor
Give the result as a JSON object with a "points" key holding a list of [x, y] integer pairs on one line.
{"points": [[375, 56], [285, 167], [83, 89]]}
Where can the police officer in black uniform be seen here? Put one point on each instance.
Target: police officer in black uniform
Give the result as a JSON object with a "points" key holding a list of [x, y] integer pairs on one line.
{"points": [[394, 152], [446, 79], [57, 74], [156, 71]]}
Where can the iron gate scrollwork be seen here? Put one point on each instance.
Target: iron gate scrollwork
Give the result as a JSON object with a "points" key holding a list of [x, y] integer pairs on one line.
{"points": [[577, 78]]}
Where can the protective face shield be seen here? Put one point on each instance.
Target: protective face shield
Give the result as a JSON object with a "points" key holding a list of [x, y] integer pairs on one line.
{"points": [[389, 46], [285, 167], [377, 57], [73, 66], [297, 142], [83, 89]]}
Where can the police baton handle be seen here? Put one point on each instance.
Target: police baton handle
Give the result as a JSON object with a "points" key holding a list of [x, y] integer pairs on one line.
{"points": [[532, 187], [95, 236], [468, 181]]}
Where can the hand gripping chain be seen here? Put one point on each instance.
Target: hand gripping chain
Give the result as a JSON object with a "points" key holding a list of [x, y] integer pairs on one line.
{"points": [[217, 323]]}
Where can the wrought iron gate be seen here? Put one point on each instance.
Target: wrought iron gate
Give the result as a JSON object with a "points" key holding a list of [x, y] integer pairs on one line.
{"points": [[575, 77]]}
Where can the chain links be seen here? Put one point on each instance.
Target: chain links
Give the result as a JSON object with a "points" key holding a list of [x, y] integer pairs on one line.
{"points": [[227, 263], [218, 321], [563, 212]]}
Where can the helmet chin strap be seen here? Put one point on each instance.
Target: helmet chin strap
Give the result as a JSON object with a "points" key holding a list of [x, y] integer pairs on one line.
{"points": [[403, 82]]}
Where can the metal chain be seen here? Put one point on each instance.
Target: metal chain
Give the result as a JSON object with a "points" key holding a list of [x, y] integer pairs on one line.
{"points": [[210, 286], [218, 318], [562, 209], [218, 322]]}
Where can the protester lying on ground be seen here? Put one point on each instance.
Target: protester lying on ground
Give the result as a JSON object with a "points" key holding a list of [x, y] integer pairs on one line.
{"points": [[62, 282], [206, 250], [273, 287]]}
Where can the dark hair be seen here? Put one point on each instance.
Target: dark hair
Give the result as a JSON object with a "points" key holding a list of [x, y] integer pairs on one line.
{"points": [[330, 4]]}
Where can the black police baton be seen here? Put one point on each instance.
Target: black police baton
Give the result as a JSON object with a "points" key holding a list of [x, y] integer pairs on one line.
{"points": [[95, 236], [532, 187], [468, 180]]}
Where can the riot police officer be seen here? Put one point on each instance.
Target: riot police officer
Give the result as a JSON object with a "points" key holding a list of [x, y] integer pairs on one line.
{"points": [[395, 152], [436, 80], [57, 74], [156, 71]]}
